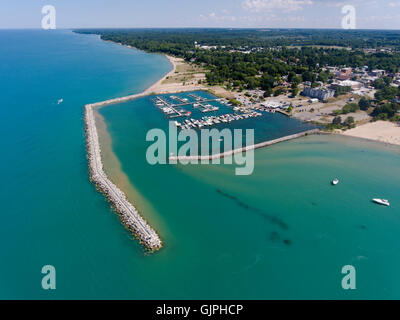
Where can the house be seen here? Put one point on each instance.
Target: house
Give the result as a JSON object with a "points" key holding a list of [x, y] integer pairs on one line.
{"points": [[377, 73], [368, 80], [344, 74]]}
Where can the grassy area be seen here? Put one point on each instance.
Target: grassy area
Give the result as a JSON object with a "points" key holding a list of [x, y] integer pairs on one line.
{"points": [[186, 73]]}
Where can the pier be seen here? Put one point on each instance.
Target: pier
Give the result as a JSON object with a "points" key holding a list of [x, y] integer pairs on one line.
{"points": [[171, 109], [283, 112], [244, 149], [130, 216], [118, 100], [199, 102]]}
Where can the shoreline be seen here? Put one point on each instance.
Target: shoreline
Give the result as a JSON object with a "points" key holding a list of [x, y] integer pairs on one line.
{"points": [[386, 138]]}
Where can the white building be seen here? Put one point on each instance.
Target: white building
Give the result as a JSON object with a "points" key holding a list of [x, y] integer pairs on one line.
{"points": [[322, 94], [350, 83]]}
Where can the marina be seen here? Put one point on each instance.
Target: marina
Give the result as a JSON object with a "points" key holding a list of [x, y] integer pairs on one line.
{"points": [[201, 105], [213, 120], [188, 110], [172, 106], [175, 110]]}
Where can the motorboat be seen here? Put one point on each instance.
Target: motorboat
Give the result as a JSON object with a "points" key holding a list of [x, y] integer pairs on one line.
{"points": [[335, 181], [382, 202]]}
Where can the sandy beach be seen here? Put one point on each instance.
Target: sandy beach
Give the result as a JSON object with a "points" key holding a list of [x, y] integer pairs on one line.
{"points": [[172, 86], [381, 131]]}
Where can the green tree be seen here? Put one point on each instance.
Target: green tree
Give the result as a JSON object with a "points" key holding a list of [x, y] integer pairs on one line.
{"points": [[337, 121], [235, 102], [364, 103], [349, 122], [294, 92], [267, 92], [350, 107]]}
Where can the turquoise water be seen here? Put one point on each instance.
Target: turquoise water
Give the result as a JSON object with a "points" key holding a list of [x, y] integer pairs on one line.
{"points": [[51, 214], [282, 232]]}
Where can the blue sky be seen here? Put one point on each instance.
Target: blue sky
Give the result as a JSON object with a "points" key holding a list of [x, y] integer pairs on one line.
{"points": [[379, 14]]}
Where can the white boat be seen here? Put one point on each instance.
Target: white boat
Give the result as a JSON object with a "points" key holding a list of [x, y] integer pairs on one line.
{"points": [[335, 182], [60, 101], [382, 202]]}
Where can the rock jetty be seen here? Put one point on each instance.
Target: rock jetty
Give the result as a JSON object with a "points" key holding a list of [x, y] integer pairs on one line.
{"points": [[131, 218]]}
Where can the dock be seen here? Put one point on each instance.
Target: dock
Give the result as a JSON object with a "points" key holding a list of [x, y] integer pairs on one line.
{"points": [[168, 108], [190, 103], [171, 109], [283, 112]]}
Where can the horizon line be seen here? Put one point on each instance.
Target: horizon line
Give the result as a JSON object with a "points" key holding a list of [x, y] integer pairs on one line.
{"points": [[220, 28]]}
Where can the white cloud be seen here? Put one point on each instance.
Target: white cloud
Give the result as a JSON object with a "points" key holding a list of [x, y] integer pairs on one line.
{"points": [[394, 4], [218, 18], [269, 5]]}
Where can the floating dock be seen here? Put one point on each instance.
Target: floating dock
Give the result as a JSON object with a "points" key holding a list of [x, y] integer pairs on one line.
{"points": [[171, 109]]}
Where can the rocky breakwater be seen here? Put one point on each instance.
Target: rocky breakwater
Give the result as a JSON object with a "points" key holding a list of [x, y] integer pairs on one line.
{"points": [[131, 218]]}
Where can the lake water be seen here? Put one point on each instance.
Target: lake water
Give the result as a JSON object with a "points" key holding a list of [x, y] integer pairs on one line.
{"points": [[282, 232]]}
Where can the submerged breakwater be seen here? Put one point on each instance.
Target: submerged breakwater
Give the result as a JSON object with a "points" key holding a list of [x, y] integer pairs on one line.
{"points": [[130, 216]]}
